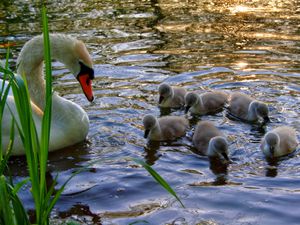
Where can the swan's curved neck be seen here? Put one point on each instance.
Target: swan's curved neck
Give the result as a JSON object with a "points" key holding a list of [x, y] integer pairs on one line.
{"points": [[30, 63]]}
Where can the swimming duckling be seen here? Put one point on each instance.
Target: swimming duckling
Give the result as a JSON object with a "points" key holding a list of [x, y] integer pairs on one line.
{"points": [[244, 107], [279, 142], [171, 97], [208, 102], [210, 141], [164, 128]]}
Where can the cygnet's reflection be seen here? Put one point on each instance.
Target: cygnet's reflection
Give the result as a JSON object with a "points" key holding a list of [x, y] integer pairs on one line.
{"points": [[152, 153], [219, 167], [271, 169]]}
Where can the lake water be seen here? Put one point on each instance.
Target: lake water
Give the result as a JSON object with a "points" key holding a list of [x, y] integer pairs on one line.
{"points": [[250, 46]]}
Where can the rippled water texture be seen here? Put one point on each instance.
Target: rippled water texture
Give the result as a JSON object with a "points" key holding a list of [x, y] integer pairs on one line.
{"points": [[251, 46]]}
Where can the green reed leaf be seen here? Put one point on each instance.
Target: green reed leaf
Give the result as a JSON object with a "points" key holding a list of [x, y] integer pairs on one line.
{"points": [[158, 178]]}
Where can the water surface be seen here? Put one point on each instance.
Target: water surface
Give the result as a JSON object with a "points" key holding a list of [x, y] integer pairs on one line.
{"points": [[248, 46]]}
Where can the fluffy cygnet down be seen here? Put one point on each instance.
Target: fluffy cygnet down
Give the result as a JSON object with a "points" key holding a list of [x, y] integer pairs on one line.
{"points": [[171, 97], [210, 141], [206, 103], [164, 128], [279, 142], [244, 107]]}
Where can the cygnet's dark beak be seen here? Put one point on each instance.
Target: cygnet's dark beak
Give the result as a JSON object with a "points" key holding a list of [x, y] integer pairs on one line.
{"points": [[187, 108], [85, 77], [225, 156], [272, 150], [161, 98], [266, 119], [146, 134]]}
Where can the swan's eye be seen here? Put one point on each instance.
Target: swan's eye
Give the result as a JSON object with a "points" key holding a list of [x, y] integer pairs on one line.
{"points": [[86, 70], [85, 77]]}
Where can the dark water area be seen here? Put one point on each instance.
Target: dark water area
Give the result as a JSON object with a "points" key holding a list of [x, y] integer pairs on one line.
{"points": [[249, 46]]}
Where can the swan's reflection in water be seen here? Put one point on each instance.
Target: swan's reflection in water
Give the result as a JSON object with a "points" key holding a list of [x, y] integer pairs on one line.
{"points": [[71, 157]]}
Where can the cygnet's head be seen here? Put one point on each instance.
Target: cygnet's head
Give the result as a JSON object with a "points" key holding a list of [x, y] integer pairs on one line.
{"points": [[272, 141], [218, 147], [149, 122], [164, 91], [190, 98], [263, 111]]}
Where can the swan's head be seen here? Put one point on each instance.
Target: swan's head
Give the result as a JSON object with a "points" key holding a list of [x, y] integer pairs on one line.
{"points": [[149, 122], [82, 69], [272, 140], [190, 98], [164, 91], [218, 147], [69, 51], [262, 110]]}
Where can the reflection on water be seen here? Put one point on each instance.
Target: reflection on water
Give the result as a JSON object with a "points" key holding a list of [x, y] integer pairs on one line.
{"points": [[250, 46]]}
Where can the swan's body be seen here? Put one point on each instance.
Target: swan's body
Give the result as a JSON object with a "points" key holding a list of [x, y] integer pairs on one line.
{"points": [[70, 123], [279, 142], [165, 128], [206, 103], [171, 97], [244, 107], [210, 141]]}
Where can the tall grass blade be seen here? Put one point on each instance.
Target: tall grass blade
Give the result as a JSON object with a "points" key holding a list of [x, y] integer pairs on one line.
{"points": [[28, 131], [61, 189], [3, 96], [12, 211], [18, 208], [6, 214], [4, 160], [45, 137], [158, 178], [19, 185]]}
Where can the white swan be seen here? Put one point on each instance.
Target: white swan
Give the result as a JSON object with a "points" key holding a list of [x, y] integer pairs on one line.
{"points": [[70, 123]]}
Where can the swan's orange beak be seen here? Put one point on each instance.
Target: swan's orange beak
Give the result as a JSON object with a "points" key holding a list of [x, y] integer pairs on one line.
{"points": [[85, 77], [86, 85]]}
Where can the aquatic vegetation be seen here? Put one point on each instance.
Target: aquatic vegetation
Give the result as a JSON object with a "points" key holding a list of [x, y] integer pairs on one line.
{"points": [[36, 152], [12, 210], [159, 179]]}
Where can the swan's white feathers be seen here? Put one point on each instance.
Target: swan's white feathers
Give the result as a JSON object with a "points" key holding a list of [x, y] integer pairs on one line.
{"points": [[69, 124], [83, 54]]}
